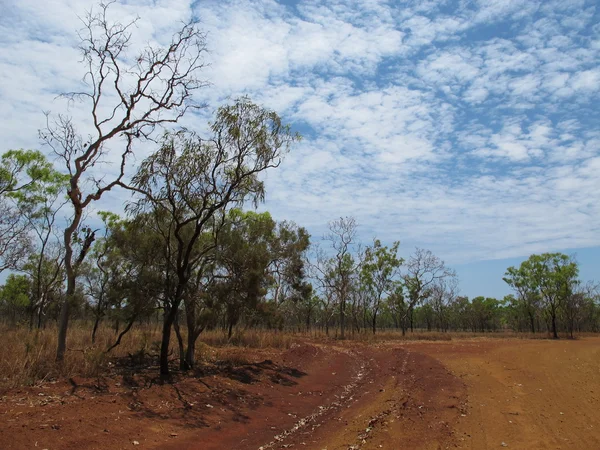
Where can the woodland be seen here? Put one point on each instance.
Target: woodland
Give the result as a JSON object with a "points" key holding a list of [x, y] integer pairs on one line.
{"points": [[190, 253]]}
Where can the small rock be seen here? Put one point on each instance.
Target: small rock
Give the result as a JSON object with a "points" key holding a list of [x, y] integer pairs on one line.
{"points": [[504, 444], [135, 443]]}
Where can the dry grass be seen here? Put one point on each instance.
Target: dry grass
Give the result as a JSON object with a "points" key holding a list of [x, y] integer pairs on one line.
{"points": [[27, 357]]}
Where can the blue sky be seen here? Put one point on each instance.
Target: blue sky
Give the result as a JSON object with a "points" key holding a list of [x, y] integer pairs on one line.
{"points": [[468, 128]]}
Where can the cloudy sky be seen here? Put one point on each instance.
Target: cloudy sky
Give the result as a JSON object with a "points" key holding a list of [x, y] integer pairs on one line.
{"points": [[466, 127]]}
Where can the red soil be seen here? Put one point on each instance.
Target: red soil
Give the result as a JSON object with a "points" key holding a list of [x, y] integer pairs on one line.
{"points": [[469, 394]]}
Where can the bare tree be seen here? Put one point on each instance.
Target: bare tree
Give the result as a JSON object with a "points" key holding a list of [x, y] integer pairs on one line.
{"points": [[442, 295], [423, 271], [335, 273], [127, 102]]}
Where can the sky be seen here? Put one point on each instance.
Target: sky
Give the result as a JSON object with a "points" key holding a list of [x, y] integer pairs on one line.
{"points": [[469, 128]]}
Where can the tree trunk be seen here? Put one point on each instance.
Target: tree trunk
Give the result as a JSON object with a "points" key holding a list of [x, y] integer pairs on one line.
{"points": [[532, 322], [374, 321], [182, 364], [63, 323], [96, 323], [554, 333], [169, 319], [230, 330], [65, 308], [39, 319], [342, 319], [190, 353]]}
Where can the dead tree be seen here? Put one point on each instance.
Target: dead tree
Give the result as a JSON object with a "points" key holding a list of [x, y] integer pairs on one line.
{"points": [[127, 99]]}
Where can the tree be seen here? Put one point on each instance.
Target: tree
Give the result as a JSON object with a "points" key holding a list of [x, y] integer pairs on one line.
{"points": [[287, 265], [442, 294], [423, 271], [102, 272], [575, 304], [555, 274], [39, 205], [243, 258], [24, 176], [523, 281], [135, 270], [14, 296], [379, 270], [127, 102], [335, 273], [188, 185], [398, 308], [485, 313]]}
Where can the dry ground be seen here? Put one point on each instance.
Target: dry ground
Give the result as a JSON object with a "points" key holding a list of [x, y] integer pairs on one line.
{"points": [[472, 393]]}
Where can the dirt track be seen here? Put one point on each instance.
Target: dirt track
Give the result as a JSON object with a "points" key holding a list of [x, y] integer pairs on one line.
{"points": [[473, 394]]}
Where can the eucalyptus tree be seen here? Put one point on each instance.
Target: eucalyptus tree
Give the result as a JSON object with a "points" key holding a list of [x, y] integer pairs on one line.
{"points": [[525, 284], [555, 276], [40, 205], [397, 305], [576, 305], [25, 175], [335, 273], [131, 258], [14, 297], [379, 273], [243, 257], [442, 295], [101, 272], [126, 97], [288, 261], [190, 183], [423, 271]]}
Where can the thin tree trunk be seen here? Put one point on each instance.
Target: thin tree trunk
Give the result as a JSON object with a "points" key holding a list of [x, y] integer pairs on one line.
{"points": [[179, 344], [96, 323], [532, 322], [63, 323], [342, 318], [123, 333], [374, 321], [169, 319]]}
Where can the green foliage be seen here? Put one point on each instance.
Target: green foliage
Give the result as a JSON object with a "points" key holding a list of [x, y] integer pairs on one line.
{"points": [[14, 296], [547, 281], [379, 272], [22, 171]]}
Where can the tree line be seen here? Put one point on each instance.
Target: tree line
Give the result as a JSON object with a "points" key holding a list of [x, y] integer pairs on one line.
{"points": [[187, 250]]}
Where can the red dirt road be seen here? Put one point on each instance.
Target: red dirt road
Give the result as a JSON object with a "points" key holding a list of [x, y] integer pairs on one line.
{"points": [[473, 394]]}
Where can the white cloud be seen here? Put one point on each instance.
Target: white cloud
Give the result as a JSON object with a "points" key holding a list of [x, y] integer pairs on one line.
{"points": [[468, 128]]}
